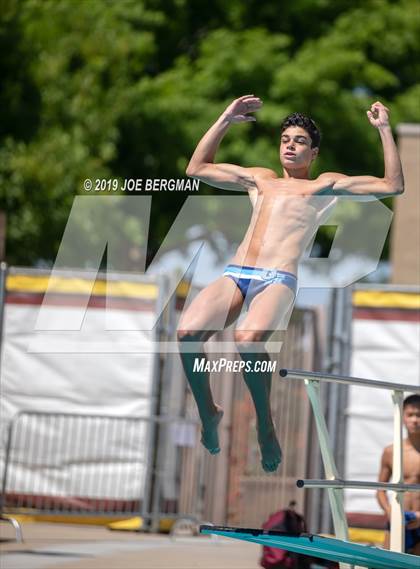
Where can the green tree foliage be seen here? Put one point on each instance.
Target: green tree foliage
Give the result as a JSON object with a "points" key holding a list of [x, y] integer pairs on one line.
{"points": [[105, 89]]}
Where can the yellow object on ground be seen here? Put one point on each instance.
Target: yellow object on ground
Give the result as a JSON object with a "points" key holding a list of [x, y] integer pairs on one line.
{"points": [[365, 535], [132, 524], [121, 524], [62, 519]]}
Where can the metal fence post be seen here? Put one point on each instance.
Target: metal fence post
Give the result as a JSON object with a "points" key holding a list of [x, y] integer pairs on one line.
{"points": [[3, 276], [150, 509], [397, 500]]}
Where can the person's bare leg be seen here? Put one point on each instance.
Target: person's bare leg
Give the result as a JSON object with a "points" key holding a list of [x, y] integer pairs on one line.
{"points": [[267, 312], [214, 308], [259, 385], [199, 382]]}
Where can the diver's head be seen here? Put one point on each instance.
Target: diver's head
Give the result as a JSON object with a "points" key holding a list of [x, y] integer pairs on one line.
{"points": [[411, 414], [300, 140]]}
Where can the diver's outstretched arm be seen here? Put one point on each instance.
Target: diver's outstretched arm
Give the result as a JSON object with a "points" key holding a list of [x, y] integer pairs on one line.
{"points": [[393, 181], [225, 176]]}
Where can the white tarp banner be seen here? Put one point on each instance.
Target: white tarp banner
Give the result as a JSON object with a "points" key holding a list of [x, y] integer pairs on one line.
{"points": [[115, 383], [386, 346]]}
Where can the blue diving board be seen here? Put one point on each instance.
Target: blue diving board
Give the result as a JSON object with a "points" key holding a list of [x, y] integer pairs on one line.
{"points": [[323, 547]]}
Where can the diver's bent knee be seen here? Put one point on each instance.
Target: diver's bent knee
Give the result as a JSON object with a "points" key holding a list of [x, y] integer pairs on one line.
{"points": [[188, 335], [246, 339]]}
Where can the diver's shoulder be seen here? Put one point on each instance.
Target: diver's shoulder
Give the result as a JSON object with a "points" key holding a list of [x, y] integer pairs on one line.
{"points": [[263, 172], [329, 178]]}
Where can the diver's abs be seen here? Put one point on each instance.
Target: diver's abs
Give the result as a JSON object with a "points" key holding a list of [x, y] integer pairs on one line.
{"points": [[278, 233], [267, 255]]}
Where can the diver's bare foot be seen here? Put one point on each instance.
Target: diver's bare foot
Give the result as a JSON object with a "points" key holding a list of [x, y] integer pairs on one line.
{"points": [[271, 454], [209, 435]]}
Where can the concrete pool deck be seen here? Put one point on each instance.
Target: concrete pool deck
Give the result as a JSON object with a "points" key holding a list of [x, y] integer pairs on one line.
{"points": [[70, 546]]}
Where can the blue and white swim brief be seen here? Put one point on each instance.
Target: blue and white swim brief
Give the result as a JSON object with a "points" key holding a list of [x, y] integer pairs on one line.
{"points": [[253, 280]]}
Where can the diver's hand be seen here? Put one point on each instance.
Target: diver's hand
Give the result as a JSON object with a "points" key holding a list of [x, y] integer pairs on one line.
{"points": [[238, 110], [378, 115]]}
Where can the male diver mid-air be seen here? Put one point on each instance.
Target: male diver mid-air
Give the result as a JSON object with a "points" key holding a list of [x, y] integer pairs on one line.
{"points": [[287, 211]]}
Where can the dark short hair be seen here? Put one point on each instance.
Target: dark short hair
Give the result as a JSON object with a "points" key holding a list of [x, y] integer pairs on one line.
{"points": [[298, 119], [412, 400]]}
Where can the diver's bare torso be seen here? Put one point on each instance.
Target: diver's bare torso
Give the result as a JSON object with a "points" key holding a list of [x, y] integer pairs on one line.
{"points": [[284, 219], [411, 476], [411, 473]]}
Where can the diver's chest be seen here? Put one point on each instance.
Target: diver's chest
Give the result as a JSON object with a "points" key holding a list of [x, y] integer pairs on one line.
{"points": [[286, 206]]}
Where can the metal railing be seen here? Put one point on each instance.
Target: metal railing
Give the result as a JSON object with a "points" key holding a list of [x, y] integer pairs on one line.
{"points": [[80, 465], [333, 483]]}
